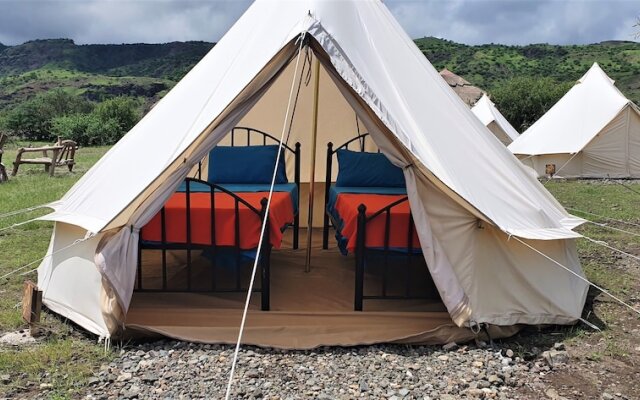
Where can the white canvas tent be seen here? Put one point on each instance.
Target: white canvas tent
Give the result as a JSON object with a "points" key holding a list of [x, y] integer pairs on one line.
{"points": [[467, 192], [593, 131], [489, 115]]}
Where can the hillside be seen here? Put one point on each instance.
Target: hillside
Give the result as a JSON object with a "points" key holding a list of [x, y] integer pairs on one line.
{"points": [[489, 65], [147, 71], [169, 60]]}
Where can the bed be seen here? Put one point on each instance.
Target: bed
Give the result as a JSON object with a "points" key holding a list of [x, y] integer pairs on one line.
{"points": [[372, 219], [236, 190]]}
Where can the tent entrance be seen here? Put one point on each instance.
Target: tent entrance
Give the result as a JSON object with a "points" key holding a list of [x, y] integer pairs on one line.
{"points": [[307, 309], [393, 287]]}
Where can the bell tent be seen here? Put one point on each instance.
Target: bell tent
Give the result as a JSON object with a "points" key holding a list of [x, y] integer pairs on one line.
{"points": [[314, 72], [489, 115], [593, 131]]}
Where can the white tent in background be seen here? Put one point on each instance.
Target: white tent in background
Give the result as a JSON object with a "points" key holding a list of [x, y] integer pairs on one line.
{"points": [[468, 194], [489, 115], [591, 132]]}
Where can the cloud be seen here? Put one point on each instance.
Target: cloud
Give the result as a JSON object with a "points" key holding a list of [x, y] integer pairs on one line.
{"points": [[117, 21], [465, 21], [518, 22]]}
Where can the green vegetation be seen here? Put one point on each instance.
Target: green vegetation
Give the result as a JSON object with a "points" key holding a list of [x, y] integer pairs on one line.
{"points": [[605, 267], [65, 358], [59, 113], [105, 125], [16, 89], [147, 71], [32, 119], [170, 60], [523, 100], [492, 65]]}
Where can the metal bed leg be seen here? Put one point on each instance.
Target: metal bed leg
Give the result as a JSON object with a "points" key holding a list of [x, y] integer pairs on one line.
{"points": [[266, 279], [327, 189], [360, 257], [296, 220], [265, 260], [188, 205]]}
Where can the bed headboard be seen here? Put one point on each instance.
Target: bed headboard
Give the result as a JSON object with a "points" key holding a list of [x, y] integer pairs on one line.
{"points": [[245, 136]]}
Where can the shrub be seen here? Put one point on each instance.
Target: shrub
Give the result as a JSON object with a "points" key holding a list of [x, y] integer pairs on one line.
{"points": [[87, 129], [121, 110], [32, 119], [72, 127], [523, 100], [106, 124]]}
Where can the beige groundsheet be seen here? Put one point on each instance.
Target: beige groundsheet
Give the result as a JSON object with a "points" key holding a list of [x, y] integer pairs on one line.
{"points": [[307, 309]]}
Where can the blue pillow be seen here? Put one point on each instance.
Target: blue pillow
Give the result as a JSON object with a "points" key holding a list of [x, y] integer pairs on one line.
{"points": [[246, 164], [357, 169]]}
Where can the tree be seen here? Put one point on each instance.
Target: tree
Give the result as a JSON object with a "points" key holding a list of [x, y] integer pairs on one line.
{"points": [[122, 110], [523, 100], [32, 118], [106, 124]]}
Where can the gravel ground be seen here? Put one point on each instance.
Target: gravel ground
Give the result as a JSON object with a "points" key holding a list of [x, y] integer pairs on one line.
{"points": [[177, 370]]}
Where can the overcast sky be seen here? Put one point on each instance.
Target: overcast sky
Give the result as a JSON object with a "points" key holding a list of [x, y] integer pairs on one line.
{"points": [[465, 21]]}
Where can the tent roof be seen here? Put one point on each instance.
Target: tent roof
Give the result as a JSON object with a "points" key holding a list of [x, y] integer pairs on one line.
{"points": [[375, 57], [576, 118], [467, 92], [487, 113]]}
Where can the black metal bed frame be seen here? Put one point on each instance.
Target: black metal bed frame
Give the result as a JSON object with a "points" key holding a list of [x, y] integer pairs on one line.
{"points": [[328, 220], [213, 248], [361, 250], [189, 246]]}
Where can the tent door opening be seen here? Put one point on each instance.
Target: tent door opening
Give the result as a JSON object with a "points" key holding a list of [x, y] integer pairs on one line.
{"points": [[375, 264]]}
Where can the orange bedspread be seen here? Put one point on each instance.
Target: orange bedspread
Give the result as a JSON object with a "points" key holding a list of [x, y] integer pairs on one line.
{"points": [[280, 215], [347, 207]]}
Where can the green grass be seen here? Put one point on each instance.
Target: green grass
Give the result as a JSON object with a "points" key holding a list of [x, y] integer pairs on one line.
{"points": [[65, 363], [63, 360], [603, 266]]}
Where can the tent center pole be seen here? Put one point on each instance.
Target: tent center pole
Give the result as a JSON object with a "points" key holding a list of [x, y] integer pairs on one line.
{"points": [[312, 177]]}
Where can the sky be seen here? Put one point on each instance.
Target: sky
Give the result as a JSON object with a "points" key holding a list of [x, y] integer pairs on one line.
{"points": [[463, 21]]}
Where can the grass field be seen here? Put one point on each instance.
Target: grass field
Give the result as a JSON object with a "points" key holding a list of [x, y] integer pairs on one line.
{"points": [[66, 357]]}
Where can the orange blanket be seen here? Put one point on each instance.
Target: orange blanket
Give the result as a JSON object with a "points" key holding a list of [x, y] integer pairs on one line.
{"points": [[347, 207], [280, 215]]}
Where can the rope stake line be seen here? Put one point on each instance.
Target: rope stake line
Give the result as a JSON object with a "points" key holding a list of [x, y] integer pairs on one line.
{"points": [[46, 256], [613, 228], [24, 210], [623, 185], [603, 290], [590, 325], [604, 244], [264, 223], [6, 228], [603, 217]]}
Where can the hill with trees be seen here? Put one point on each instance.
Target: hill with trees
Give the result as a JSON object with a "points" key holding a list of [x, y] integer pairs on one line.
{"points": [[143, 73]]}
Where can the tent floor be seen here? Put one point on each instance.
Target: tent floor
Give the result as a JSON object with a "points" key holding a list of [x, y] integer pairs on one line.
{"points": [[307, 309]]}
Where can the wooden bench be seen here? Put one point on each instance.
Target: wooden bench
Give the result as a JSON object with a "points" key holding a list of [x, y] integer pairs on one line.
{"points": [[62, 153], [3, 170]]}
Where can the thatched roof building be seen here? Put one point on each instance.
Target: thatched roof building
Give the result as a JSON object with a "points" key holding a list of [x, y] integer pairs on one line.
{"points": [[468, 93]]}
